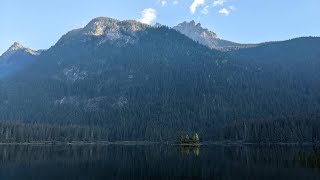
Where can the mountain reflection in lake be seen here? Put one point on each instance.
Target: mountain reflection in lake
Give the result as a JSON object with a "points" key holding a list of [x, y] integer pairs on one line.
{"points": [[158, 162]]}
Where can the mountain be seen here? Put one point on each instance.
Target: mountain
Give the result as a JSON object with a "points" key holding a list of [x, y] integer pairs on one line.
{"points": [[206, 37], [109, 30], [16, 58], [122, 80]]}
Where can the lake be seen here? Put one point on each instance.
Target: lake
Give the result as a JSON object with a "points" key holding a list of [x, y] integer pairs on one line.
{"points": [[94, 162]]}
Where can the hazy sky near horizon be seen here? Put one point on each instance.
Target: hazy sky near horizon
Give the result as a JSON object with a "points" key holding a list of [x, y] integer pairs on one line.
{"points": [[39, 24]]}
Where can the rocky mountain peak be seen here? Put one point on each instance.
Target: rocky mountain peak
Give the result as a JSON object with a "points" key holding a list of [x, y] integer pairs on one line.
{"points": [[104, 25], [108, 30], [194, 29], [17, 48], [97, 26], [204, 36]]}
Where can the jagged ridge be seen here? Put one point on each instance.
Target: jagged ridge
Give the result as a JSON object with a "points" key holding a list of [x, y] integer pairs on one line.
{"points": [[204, 36], [18, 48]]}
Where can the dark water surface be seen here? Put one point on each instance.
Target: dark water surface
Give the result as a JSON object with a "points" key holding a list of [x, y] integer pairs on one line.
{"points": [[24, 162]]}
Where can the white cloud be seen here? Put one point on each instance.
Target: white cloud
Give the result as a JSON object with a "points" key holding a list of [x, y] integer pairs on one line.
{"points": [[148, 16], [205, 10], [219, 2], [163, 2], [167, 2], [225, 11], [195, 5]]}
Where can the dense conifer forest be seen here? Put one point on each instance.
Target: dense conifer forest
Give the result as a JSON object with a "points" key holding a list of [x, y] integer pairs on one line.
{"points": [[160, 85]]}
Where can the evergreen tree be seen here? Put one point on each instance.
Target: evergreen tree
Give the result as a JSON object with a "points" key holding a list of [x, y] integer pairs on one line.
{"points": [[196, 138]]}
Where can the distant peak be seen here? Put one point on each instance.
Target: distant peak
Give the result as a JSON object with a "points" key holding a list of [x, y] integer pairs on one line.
{"points": [[204, 36], [98, 26], [16, 46], [191, 22], [195, 28]]}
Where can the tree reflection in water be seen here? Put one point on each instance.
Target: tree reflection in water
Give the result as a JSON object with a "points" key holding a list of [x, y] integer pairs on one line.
{"points": [[189, 150], [158, 162]]}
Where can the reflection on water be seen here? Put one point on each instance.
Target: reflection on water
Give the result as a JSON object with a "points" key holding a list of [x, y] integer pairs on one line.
{"points": [[158, 162], [187, 150]]}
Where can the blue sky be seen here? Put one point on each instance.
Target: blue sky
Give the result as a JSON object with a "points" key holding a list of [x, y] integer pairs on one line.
{"points": [[39, 24]]}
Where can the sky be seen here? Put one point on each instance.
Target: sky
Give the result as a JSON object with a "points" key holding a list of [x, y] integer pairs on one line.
{"points": [[38, 24]]}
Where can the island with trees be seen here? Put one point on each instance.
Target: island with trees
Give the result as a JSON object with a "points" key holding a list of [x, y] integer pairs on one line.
{"points": [[186, 140]]}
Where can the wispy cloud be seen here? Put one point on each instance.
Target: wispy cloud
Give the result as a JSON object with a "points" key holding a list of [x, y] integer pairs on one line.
{"points": [[219, 2], [148, 16], [163, 2], [232, 8], [195, 5], [168, 2], [225, 11], [205, 10]]}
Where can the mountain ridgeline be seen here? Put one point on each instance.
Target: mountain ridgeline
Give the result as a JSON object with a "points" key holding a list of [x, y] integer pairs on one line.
{"points": [[15, 59], [208, 38], [122, 80]]}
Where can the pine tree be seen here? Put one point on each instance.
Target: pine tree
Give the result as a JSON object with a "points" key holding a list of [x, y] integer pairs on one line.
{"points": [[196, 138]]}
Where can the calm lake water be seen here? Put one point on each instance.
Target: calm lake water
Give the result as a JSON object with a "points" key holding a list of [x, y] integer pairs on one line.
{"points": [[21, 162]]}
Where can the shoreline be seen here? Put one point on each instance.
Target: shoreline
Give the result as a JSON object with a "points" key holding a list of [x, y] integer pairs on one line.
{"points": [[140, 143], [128, 143]]}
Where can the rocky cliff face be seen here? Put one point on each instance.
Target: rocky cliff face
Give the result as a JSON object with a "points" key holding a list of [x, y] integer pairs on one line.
{"points": [[204, 36], [119, 33]]}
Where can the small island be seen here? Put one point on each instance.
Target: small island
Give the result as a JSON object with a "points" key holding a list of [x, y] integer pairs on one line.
{"points": [[186, 140]]}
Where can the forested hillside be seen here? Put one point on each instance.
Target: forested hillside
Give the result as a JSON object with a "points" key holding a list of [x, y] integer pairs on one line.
{"points": [[137, 82]]}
